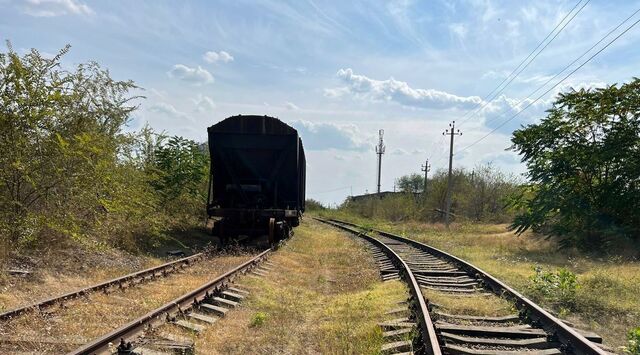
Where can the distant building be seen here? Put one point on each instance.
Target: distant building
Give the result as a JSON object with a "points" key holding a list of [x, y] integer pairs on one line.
{"points": [[381, 195]]}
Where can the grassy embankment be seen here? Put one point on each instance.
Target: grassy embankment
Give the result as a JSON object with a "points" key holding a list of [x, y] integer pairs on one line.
{"points": [[606, 299], [324, 296], [88, 318], [65, 266]]}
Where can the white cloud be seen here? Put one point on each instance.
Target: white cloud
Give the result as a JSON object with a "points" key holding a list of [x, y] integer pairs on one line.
{"points": [[399, 151], [291, 106], [197, 75], [397, 91], [214, 57], [203, 103], [51, 8], [492, 74], [324, 135], [504, 108], [459, 30], [166, 109]]}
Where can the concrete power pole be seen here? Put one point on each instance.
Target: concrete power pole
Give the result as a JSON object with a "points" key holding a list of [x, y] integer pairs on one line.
{"points": [[426, 168], [451, 133], [380, 150]]}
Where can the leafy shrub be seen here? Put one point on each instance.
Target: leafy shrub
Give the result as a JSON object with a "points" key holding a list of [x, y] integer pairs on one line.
{"points": [[582, 166], [633, 345], [258, 319], [558, 287], [314, 205]]}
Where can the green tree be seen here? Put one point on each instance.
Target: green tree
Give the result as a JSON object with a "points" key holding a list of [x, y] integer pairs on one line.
{"points": [[583, 164], [412, 183], [182, 166], [60, 137]]}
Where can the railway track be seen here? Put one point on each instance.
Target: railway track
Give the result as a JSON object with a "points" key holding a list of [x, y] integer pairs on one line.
{"points": [[193, 311], [430, 271], [119, 283]]}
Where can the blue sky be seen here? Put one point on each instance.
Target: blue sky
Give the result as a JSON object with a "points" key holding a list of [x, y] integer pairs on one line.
{"points": [[337, 70]]}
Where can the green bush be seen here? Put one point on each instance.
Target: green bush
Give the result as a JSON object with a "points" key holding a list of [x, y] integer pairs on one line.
{"points": [[633, 345], [478, 195], [582, 162], [559, 287], [69, 171], [259, 319]]}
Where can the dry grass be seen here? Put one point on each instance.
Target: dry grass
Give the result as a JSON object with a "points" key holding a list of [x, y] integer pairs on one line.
{"points": [[97, 315], [323, 297], [57, 272], [607, 300], [472, 305]]}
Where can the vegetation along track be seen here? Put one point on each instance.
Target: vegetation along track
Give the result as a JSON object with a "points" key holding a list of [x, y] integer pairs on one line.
{"points": [[191, 311], [120, 282], [462, 321]]}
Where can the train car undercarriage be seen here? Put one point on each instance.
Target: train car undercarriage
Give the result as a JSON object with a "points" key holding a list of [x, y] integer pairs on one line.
{"points": [[234, 223]]}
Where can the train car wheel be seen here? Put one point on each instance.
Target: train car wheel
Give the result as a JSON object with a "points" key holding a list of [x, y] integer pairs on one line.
{"points": [[272, 231]]}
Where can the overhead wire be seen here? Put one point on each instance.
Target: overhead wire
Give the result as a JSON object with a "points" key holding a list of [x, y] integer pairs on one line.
{"points": [[487, 102], [570, 64], [556, 84], [484, 99], [332, 190]]}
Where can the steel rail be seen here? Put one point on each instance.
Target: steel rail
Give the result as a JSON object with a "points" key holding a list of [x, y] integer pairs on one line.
{"points": [[158, 316], [572, 341], [101, 286], [427, 330]]}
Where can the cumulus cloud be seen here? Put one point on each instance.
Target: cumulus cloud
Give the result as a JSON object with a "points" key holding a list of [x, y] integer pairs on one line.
{"points": [[215, 57], [166, 109], [291, 106], [52, 8], [323, 136], [504, 108], [360, 86], [196, 75], [203, 104], [399, 151]]}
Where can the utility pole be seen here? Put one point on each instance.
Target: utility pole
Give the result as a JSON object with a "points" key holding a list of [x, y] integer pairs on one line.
{"points": [[452, 132], [426, 168], [380, 150]]}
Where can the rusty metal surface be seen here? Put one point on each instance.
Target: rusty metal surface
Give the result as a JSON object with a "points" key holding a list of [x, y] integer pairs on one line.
{"points": [[573, 341], [130, 331], [103, 285], [427, 331]]}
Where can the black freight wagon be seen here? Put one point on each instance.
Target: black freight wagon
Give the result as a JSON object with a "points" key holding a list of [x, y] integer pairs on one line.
{"points": [[257, 181]]}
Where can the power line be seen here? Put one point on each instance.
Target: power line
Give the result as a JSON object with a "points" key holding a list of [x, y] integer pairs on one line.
{"points": [[572, 63], [525, 67], [484, 102], [332, 190], [555, 85]]}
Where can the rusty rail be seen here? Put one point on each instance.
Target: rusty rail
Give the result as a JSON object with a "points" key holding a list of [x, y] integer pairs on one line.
{"points": [[572, 341], [98, 287], [426, 329], [130, 331]]}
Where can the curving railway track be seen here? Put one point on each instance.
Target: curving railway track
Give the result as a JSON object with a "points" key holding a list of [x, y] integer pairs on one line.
{"points": [[529, 329]]}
